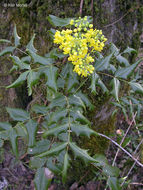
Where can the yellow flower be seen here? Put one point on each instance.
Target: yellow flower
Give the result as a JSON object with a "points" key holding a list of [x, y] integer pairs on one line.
{"points": [[79, 43]]}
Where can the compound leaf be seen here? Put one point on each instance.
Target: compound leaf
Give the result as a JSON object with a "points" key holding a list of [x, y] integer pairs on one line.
{"points": [[18, 114]]}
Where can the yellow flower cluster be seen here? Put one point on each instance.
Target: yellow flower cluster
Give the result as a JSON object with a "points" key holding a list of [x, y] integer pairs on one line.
{"points": [[79, 43]]}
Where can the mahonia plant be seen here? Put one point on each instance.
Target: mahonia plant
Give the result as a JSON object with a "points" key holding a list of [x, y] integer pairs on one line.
{"points": [[49, 129], [80, 42]]}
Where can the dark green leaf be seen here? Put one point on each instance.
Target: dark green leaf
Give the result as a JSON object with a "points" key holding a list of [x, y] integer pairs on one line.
{"points": [[16, 37], [5, 126], [129, 50], [56, 21], [18, 114], [19, 63], [116, 87], [78, 116], [81, 129], [136, 87], [65, 167], [40, 180], [76, 101], [40, 59], [72, 82], [111, 170], [51, 75], [41, 146], [32, 79], [57, 115], [30, 45], [19, 81], [56, 130], [36, 163], [81, 153], [54, 150], [114, 49], [9, 49], [39, 109], [13, 139], [113, 183], [127, 71], [123, 60], [103, 64], [31, 127], [53, 166], [54, 53], [101, 159], [59, 101], [85, 100], [94, 80], [102, 85]]}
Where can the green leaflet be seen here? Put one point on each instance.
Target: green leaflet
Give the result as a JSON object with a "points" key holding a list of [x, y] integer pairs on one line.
{"points": [[127, 71], [78, 116], [114, 49], [85, 100], [53, 151], [31, 127], [13, 139], [18, 114], [19, 80], [51, 75], [54, 117], [9, 49], [65, 167], [5, 126], [30, 45], [116, 86], [40, 146], [40, 59], [32, 79], [76, 101], [94, 79], [72, 82], [40, 180], [129, 50], [103, 64], [40, 109], [16, 37], [123, 60], [56, 21], [136, 87], [111, 171], [56, 130], [81, 129], [19, 63], [81, 153], [113, 183], [59, 101]]}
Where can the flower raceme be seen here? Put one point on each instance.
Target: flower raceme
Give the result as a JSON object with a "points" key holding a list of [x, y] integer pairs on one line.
{"points": [[79, 43]]}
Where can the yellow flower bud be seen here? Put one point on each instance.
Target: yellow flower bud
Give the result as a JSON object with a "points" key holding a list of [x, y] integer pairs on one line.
{"points": [[91, 26]]}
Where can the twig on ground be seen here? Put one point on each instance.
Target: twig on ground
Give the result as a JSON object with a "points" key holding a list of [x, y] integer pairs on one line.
{"points": [[140, 164], [123, 139]]}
